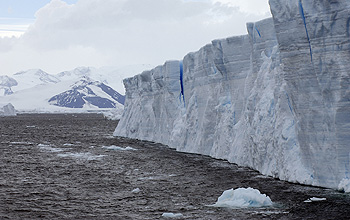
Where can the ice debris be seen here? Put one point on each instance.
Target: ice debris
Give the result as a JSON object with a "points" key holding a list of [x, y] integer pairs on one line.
{"points": [[113, 147], [243, 198], [137, 190], [172, 215], [315, 199]]}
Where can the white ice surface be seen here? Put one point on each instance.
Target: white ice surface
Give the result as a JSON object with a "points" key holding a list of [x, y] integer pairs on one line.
{"points": [[243, 198]]}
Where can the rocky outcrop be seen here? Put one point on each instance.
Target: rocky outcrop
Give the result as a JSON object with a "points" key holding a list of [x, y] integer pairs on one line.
{"points": [[276, 100]]}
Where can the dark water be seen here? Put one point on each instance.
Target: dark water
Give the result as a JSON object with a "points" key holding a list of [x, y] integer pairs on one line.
{"points": [[54, 167]]}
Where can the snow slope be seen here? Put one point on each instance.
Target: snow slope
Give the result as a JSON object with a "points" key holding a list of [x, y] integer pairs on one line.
{"points": [[276, 100], [30, 78]]}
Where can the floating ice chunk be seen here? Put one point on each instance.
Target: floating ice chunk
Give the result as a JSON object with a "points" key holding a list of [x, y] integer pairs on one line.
{"points": [[21, 143], [46, 147], [113, 147], [7, 109], [344, 185], [172, 215], [243, 198], [315, 199], [137, 190], [82, 156]]}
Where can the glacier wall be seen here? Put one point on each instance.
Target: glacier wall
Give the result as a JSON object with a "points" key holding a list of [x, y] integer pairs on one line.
{"points": [[276, 99]]}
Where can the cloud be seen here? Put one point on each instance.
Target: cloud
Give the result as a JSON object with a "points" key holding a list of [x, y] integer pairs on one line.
{"points": [[249, 6], [121, 32]]}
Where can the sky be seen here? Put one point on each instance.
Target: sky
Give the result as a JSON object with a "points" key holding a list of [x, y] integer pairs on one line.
{"points": [[59, 35]]}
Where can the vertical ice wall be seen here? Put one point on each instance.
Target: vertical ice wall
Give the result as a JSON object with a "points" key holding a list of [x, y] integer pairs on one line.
{"points": [[153, 100], [276, 100], [313, 38]]}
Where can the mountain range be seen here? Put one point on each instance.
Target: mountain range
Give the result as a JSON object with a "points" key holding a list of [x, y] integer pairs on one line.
{"points": [[80, 89]]}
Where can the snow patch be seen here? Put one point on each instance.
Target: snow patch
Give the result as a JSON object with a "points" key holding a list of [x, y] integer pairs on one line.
{"points": [[242, 198]]}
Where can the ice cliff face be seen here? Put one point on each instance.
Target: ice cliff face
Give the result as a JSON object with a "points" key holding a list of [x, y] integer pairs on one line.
{"points": [[276, 100]]}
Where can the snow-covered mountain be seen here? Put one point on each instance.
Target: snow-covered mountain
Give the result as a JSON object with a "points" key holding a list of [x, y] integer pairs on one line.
{"points": [[87, 88], [30, 78], [87, 92], [276, 99], [112, 76]]}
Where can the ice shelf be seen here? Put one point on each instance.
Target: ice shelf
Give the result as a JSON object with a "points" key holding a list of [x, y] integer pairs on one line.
{"points": [[276, 100]]}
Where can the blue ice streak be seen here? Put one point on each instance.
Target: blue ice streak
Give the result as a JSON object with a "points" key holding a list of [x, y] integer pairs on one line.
{"points": [[257, 31], [181, 81], [301, 9]]}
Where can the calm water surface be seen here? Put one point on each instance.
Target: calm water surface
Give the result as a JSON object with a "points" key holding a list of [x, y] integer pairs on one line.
{"points": [[57, 166]]}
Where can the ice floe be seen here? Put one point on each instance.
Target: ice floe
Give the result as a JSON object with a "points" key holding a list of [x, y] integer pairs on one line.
{"points": [[172, 215], [113, 147], [315, 199], [243, 198], [137, 190]]}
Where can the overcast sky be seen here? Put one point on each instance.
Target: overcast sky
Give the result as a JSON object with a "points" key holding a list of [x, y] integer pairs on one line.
{"points": [[60, 35]]}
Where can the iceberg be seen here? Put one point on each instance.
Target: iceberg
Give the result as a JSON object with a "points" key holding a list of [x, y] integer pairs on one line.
{"points": [[7, 110], [243, 198], [276, 100]]}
